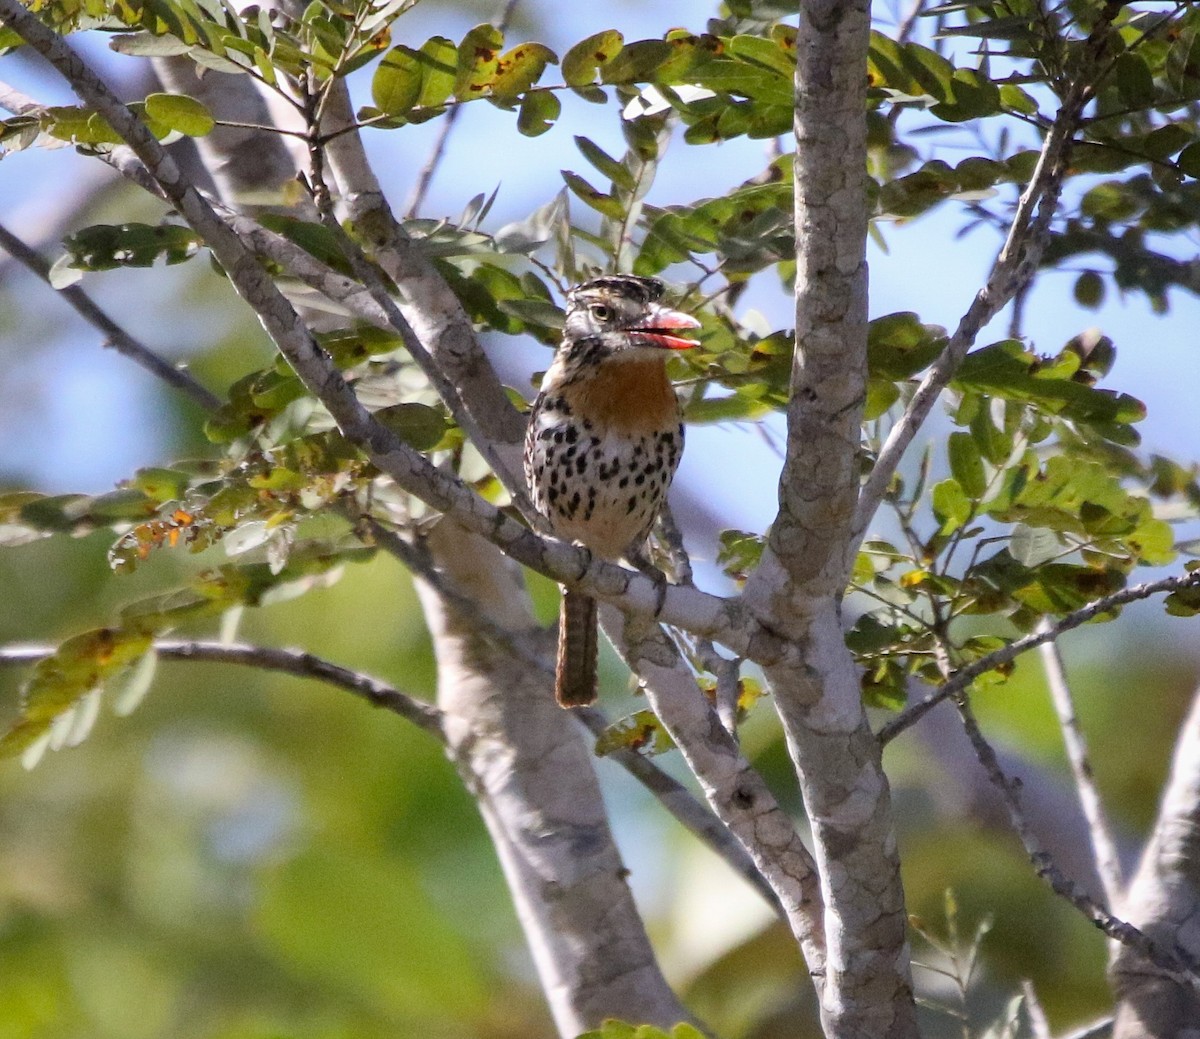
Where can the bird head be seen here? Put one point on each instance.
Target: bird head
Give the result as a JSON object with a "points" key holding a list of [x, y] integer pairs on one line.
{"points": [[626, 315]]}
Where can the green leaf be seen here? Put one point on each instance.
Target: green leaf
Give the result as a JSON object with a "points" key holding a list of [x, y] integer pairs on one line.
{"points": [[161, 485], [181, 113], [739, 553], [760, 51], [478, 58], [104, 247], [1184, 602], [640, 732], [418, 425], [438, 59], [520, 68], [995, 443], [881, 395], [1189, 160], [148, 45], [539, 111], [899, 345], [966, 464], [396, 85], [1033, 546], [614, 170], [636, 62], [1135, 81], [580, 63], [885, 685], [598, 200], [1089, 290], [950, 505]]}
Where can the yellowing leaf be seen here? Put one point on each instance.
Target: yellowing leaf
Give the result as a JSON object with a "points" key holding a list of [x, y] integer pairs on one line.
{"points": [[181, 113]]}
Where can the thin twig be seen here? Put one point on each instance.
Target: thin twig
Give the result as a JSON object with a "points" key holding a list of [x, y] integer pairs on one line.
{"points": [[1039, 1024], [12, 100], [1175, 958], [114, 335], [266, 658], [1096, 1030], [1104, 847], [421, 188], [964, 676]]}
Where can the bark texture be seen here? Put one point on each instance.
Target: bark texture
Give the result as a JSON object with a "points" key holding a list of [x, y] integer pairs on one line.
{"points": [[798, 588], [1164, 901], [522, 758]]}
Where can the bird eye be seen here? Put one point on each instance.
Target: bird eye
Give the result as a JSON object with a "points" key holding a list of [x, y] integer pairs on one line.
{"points": [[600, 311]]}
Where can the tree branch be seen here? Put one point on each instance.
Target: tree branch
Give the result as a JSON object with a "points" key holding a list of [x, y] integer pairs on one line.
{"points": [[1164, 898], [1170, 955], [114, 335], [798, 585], [524, 761], [264, 658], [1012, 270], [1104, 846], [732, 787], [964, 676]]}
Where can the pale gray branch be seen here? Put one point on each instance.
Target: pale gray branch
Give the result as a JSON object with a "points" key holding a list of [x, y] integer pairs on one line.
{"points": [[524, 761], [1013, 268], [732, 787], [1104, 846], [799, 583]]}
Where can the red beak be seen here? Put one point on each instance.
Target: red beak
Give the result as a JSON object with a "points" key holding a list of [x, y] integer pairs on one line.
{"points": [[660, 322]]}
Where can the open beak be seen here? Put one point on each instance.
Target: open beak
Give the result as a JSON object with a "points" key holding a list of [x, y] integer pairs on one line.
{"points": [[661, 323]]}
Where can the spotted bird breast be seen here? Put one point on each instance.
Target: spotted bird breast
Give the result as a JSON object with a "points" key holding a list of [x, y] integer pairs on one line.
{"points": [[600, 453]]}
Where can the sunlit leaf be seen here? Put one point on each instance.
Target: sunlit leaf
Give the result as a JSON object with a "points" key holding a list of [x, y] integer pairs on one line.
{"points": [[182, 113], [580, 63]]}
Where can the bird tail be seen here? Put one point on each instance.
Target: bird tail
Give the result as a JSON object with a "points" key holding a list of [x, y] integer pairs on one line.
{"points": [[575, 674]]}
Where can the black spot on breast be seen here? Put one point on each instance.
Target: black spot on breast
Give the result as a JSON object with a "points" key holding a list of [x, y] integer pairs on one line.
{"points": [[571, 433], [640, 479], [623, 482]]}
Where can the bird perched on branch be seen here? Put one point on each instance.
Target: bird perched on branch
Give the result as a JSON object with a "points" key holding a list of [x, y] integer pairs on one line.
{"points": [[604, 439]]}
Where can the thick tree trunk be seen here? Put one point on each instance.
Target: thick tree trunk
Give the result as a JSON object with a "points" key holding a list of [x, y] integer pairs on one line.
{"points": [[798, 587], [532, 775]]}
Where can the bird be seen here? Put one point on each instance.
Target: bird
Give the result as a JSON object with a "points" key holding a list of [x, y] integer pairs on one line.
{"points": [[604, 439]]}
